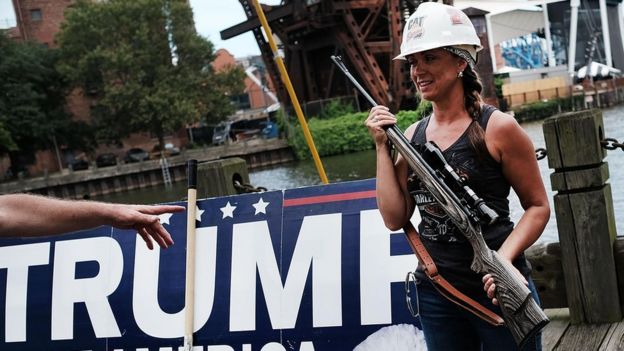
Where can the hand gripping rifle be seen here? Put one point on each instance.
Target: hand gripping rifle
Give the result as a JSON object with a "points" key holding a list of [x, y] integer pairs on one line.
{"points": [[521, 314]]}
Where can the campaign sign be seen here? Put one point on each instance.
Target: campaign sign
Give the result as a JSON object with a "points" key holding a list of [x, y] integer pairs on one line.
{"points": [[305, 269]]}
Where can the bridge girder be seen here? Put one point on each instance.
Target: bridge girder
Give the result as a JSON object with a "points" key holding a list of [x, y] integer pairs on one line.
{"points": [[367, 33]]}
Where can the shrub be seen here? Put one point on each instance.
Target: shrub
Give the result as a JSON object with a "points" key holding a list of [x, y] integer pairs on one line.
{"points": [[336, 108], [346, 133], [545, 109]]}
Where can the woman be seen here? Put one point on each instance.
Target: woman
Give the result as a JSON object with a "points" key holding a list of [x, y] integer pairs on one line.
{"points": [[486, 147]]}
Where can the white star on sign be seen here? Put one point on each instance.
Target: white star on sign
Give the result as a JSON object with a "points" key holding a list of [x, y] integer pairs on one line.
{"points": [[261, 206], [198, 213], [228, 210], [164, 218]]}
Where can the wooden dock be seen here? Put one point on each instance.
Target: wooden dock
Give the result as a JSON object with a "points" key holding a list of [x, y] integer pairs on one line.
{"points": [[124, 177], [561, 335]]}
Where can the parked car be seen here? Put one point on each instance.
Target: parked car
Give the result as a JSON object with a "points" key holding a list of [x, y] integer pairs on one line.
{"points": [[105, 160], [170, 150], [136, 155], [221, 133], [78, 165]]}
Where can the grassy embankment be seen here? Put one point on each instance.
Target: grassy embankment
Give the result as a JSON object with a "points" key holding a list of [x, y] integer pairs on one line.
{"points": [[340, 132]]}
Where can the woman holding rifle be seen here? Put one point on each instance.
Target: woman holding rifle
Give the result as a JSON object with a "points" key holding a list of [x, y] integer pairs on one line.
{"points": [[485, 147]]}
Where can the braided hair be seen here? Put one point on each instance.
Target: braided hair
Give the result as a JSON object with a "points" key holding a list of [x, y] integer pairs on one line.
{"points": [[472, 102]]}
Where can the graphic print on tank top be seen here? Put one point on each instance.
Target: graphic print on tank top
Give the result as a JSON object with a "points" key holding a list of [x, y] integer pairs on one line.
{"points": [[436, 225]]}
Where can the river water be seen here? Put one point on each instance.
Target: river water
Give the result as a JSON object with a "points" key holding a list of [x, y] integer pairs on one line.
{"points": [[361, 165]]}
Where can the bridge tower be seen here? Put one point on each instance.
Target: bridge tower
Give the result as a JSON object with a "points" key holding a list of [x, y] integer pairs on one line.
{"points": [[367, 33]]}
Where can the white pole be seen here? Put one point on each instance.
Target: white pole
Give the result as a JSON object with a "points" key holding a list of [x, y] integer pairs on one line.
{"points": [[605, 32], [189, 292], [574, 5], [489, 29], [549, 51]]}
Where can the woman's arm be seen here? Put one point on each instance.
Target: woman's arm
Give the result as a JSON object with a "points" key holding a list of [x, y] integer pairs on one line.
{"points": [[511, 146], [393, 199], [31, 215], [517, 156]]}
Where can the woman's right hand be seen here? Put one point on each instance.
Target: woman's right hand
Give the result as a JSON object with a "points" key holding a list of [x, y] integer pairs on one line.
{"points": [[378, 119]]}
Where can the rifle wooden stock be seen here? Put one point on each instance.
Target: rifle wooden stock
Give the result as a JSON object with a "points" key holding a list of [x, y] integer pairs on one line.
{"points": [[522, 315]]}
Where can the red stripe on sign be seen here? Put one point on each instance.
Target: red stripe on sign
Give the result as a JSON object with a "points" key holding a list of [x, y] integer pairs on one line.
{"points": [[329, 198]]}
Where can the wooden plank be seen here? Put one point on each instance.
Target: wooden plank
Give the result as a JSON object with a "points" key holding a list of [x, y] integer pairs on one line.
{"points": [[618, 252], [610, 213], [580, 179], [567, 233], [594, 244], [573, 139], [579, 138], [552, 144], [559, 323], [552, 333], [586, 337], [614, 340]]}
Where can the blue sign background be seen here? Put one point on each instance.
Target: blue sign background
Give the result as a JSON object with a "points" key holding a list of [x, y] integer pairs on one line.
{"points": [[284, 222]]}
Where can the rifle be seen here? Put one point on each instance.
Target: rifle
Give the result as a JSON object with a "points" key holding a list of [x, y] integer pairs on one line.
{"points": [[521, 314]]}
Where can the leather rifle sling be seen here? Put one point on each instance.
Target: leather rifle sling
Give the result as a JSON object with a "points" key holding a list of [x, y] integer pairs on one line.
{"points": [[442, 285]]}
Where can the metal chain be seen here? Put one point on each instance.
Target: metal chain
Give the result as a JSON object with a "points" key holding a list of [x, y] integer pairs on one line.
{"points": [[611, 144], [607, 143], [248, 188], [540, 153]]}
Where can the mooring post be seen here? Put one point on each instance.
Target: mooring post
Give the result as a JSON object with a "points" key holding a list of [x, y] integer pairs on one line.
{"points": [[217, 178], [584, 211]]}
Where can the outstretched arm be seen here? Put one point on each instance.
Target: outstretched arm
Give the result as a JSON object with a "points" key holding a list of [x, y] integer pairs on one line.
{"points": [[31, 215]]}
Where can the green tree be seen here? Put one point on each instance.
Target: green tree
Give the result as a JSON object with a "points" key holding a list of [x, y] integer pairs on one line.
{"points": [[145, 65], [32, 101]]}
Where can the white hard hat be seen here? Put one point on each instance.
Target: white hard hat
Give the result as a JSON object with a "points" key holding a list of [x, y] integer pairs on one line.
{"points": [[434, 25]]}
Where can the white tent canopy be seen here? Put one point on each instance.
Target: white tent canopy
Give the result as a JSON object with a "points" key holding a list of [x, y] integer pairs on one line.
{"points": [[597, 70], [509, 19]]}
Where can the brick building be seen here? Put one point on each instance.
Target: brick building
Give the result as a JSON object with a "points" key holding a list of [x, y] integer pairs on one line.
{"points": [[251, 105], [253, 97], [40, 21]]}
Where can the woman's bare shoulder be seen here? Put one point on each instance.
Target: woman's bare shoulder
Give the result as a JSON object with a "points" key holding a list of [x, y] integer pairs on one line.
{"points": [[505, 133], [501, 121], [503, 128]]}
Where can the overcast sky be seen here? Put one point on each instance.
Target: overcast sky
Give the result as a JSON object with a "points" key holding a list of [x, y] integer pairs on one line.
{"points": [[211, 17]]}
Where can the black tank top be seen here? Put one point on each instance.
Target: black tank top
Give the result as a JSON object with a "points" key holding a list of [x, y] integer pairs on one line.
{"points": [[449, 248]]}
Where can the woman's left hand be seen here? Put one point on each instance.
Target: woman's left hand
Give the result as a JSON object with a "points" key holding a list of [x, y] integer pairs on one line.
{"points": [[490, 287]]}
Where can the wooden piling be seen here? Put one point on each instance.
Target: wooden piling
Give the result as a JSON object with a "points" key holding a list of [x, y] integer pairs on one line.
{"points": [[216, 178], [584, 212]]}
